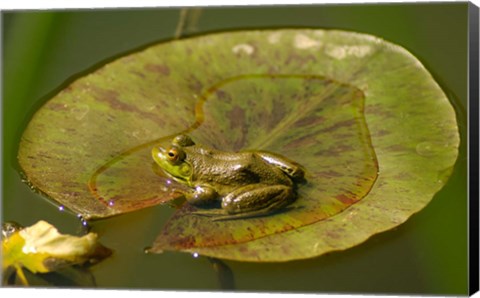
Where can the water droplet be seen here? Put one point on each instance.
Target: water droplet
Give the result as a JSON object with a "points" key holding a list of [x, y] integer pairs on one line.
{"points": [[61, 208], [83, 221], [425, 149], [444, 175], [195, 255], [80, 111], [110, 203], [141, 133]]}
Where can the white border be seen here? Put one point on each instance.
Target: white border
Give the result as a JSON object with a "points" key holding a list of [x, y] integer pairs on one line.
{"points": [[89, 4]]}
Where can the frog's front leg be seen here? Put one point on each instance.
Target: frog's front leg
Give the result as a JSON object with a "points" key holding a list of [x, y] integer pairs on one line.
{"points": [[201, 195]]}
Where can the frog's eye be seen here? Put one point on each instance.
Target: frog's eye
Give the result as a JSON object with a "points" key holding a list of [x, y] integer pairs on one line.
{"points": [[175, 155]]}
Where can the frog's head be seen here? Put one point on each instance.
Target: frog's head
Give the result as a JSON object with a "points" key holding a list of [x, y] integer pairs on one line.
{"points": [[173, 159]]}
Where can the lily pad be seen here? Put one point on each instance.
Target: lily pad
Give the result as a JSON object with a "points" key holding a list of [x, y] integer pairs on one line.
{"points": [[375, 132]]}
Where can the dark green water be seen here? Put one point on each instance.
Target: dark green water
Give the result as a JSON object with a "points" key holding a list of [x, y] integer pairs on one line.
{"points": [[428, 254]]}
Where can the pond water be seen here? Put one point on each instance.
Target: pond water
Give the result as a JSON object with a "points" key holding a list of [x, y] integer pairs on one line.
{"points": [[427, 255]]}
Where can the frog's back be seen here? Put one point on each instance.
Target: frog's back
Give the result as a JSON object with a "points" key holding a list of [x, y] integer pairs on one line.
{"points": [[227, 171]]}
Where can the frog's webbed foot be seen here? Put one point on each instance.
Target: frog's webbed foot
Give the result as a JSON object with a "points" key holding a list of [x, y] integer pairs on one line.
{"points": [[252, 214], [209, 212], [220, 215]]}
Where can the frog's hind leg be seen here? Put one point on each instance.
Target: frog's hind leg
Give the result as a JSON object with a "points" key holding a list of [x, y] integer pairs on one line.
{"points": [[289, 167], [255, 200]]}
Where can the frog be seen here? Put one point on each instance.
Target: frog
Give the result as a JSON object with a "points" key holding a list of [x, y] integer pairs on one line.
{"points": [[244, 184]]}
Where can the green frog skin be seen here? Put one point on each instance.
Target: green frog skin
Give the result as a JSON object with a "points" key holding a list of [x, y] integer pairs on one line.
{"points": [[247, 184]]}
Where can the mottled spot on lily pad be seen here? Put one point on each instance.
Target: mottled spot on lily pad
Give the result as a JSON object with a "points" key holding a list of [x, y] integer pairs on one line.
{"points": [[159, 68]]}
